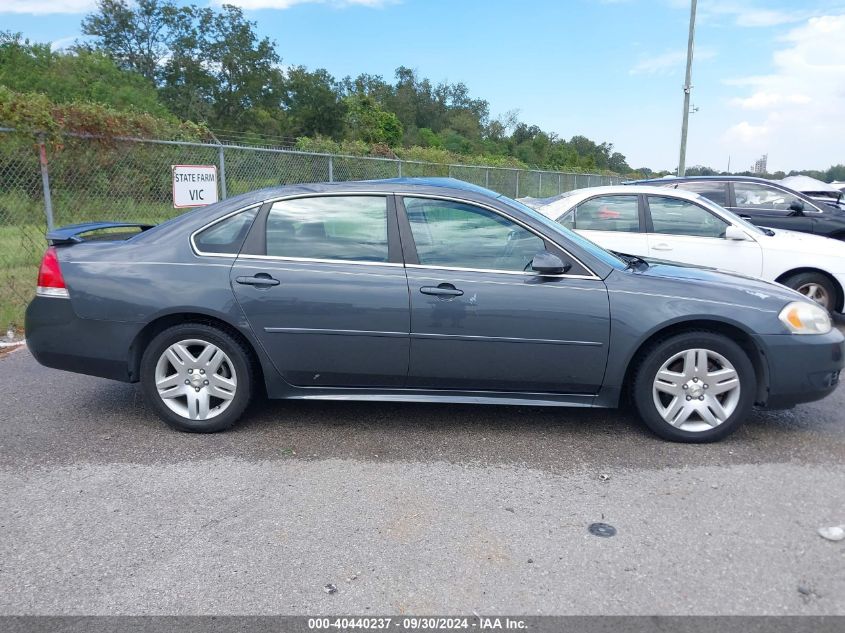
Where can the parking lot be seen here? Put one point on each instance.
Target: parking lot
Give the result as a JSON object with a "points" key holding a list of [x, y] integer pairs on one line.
{"points": [[407, 509]]}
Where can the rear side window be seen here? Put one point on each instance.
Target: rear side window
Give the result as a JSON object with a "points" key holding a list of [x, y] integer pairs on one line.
{"points": [[349, 228], [608, 213], [713, 191], [227, 236]]}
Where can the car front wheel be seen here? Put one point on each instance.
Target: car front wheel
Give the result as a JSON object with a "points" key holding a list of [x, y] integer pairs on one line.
{"points": [[197, 378], [814, 286], [695, 387]]}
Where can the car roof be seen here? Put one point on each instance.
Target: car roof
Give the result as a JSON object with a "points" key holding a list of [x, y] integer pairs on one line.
{"points": [[670, 179], [622, 189], [391, 184]]}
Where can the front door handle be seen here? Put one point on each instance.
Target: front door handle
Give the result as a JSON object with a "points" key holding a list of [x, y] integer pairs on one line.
{"points": [[443, 290], [259, 280], [663, 246]]}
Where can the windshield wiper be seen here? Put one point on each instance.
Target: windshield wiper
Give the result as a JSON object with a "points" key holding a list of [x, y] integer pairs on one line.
{"points": [[768, 232], [633, 261]]}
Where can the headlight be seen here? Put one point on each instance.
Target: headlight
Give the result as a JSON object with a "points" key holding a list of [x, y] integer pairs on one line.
{"points": [[805, 318]]}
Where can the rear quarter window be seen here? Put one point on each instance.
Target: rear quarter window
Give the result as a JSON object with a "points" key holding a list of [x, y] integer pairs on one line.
{"points": [[227, 236]]}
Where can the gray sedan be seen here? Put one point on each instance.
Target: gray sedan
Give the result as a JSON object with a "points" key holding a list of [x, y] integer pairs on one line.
{"points": [[416, 290]]}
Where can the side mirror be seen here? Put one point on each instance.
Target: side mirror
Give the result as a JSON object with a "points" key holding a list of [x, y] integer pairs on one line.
{"points": [[797, 206], [546, 263], [736, 234]]}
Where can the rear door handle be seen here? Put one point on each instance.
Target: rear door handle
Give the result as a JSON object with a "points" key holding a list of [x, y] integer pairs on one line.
{"points": [[662, 247], [443, 290], [260, 280]]}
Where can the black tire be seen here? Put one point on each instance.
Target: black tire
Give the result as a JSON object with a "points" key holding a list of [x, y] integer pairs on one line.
{"points": [[238, 356], [808, 279], [663, 351]]}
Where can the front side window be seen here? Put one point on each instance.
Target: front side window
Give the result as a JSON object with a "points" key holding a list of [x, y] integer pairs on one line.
{"points": [[351, 228], [608, 213], [226, 236], [712, 190], [756, 196], [458, 235], [673, 216]]}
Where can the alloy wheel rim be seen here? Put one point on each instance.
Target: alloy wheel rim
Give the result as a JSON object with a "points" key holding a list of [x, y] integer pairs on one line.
{"points": [[696, 390], [816, 292], [195, 379]]}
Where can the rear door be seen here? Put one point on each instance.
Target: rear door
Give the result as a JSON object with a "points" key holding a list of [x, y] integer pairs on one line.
{"points": [[612, 221], [482, 320], [323, 286], [682, 231]]}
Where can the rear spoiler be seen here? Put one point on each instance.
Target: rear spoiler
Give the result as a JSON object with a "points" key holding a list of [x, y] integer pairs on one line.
{"points": [[72, 233]]}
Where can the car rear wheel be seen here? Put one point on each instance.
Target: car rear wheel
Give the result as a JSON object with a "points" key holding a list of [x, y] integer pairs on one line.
{"points": [[814, 286], [197, 378], [695, 387]]}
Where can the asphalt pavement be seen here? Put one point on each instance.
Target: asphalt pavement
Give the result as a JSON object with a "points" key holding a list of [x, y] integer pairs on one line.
{"points": [[407, 509]]}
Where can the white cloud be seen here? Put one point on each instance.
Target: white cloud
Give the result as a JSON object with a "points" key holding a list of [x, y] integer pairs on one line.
{"points": [[795, 113], [765, 100], [41, 7], [287, 4], [63, 42], [744, 132], [669, 62], [745, 13]]}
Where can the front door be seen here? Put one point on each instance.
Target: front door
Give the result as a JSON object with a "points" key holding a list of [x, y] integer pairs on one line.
{"points": [[685, 232], [325, 291], [770, 207], [482, 320]]}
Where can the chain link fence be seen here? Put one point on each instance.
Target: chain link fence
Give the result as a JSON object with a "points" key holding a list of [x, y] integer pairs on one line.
{"points": [[88, 179]]}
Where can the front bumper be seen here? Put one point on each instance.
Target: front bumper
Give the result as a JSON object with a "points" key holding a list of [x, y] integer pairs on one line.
{"points": [[802, 368], [58, 338]]}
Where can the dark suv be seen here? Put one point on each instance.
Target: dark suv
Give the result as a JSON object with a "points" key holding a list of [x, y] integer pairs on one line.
{"points": [[763, 202]]}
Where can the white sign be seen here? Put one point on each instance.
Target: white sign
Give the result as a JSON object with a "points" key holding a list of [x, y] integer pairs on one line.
{"points": [[194, 185]]}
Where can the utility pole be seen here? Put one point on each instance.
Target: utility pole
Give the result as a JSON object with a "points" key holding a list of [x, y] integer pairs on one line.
{"points": [[687, 89]]}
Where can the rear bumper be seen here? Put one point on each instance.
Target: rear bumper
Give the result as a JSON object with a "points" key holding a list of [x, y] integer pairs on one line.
{"points": [[802, 368], [58, 338]]}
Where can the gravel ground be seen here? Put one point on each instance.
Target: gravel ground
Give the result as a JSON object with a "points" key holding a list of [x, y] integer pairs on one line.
{"points": [[407, 509]]}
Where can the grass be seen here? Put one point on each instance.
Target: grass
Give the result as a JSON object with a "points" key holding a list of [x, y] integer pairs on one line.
{"points": [[21, 248], [22, 243]]}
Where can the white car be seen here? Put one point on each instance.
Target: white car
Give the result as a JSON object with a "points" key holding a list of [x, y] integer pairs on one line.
{"points": [[681, 226]]}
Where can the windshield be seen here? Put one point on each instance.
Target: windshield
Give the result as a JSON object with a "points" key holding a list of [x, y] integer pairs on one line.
{"points": [[591, 247]]}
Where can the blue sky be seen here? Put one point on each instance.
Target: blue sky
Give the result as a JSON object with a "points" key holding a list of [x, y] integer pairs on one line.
{"points": [[769, 77]]}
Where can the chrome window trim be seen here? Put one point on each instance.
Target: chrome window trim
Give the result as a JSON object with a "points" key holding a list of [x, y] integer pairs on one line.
{"points": [[526, 273], [201, 253], [409, 194], [315, 260]]}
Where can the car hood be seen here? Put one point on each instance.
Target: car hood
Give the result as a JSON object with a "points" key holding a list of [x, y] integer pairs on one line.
{"points": [[715, 284], [801, 242]]}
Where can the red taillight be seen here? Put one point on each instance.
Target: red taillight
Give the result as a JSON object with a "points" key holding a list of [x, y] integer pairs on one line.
{"points": [[50, 280]]}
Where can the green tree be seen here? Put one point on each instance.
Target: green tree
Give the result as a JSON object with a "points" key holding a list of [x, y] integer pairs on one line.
{"points": [[75, 75], [136, 37], [313, 103], [368, 122]]}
